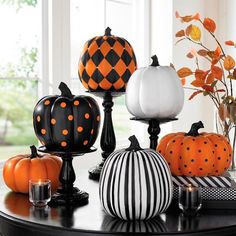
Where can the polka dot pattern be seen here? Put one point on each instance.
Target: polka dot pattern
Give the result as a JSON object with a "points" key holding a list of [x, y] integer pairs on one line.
{"points": [[62, 123], [47, 102], [70, 117], [53, 121], [65, 132], [80, 129], [43, 131], [38, 118], [204, 155], [76, 103], [63, 144], [63, 105]]}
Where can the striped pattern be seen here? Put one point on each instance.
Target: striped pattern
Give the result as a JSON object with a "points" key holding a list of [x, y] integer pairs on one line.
{"points": [[209, 181], [135, 185]]}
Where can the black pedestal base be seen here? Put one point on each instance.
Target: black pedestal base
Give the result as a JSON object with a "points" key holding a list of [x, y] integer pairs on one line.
{"points": [[94, 172], [75, 198]]}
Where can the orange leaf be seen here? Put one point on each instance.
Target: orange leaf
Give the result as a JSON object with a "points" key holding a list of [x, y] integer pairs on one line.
{"points": [[202, 52], [208, 88], [195, 33], [183, 81], [217, 72], [229, 63], [210, 78], [230, 43], [209, 24], [184, 72], [188, 30], [211, 54], [194, 94], [215, 61], [187, 18], [198, 83], [180, 33], [200, 74], [190, 55], [217, 52]]}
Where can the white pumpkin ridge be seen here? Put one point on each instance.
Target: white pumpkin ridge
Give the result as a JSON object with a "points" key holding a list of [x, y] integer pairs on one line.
{"points": [[154, 92]]}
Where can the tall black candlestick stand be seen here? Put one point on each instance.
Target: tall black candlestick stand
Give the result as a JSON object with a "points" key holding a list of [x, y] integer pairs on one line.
{"points": [[154, 128], [108, 139], [67, 194]]}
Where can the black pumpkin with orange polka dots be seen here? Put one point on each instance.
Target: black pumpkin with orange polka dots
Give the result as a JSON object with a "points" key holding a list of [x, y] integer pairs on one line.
{"points": [[66, 122]]}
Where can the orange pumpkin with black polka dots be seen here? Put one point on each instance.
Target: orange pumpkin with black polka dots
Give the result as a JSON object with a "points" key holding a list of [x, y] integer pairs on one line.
{"points": [[18, 170], [66, 122], [196, 154]]}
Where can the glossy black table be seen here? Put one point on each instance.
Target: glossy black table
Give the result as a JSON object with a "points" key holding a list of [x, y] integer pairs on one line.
{"points": [[18, 217]]}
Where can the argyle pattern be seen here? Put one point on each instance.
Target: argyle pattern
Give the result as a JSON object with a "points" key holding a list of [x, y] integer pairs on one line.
{"points": [[106, 63]]}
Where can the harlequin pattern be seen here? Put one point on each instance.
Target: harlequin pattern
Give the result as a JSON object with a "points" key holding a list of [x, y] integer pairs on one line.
{"points": [[204, 155], [66, 122], [106, 63]]}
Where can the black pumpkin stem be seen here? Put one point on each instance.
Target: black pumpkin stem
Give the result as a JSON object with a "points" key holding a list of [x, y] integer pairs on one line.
{"points": [[194, 129], [65, 91], [108, 31], [34, 152], [155, 61], [134, 145]]}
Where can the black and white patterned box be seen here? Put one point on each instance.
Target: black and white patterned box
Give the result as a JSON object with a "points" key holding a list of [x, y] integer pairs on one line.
{"points": [[208, 181]]}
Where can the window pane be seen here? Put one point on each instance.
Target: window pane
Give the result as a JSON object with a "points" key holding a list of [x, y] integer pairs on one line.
{"points": [[89, 18], [19, 70]]}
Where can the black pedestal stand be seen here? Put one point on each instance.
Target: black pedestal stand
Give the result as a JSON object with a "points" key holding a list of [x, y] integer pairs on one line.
{"points": [[67, 194], [108, 139], [154, 128]]}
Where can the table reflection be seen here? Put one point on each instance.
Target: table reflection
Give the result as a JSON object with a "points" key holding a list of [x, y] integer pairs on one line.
{"points": [[20, 205], [156, 225]]}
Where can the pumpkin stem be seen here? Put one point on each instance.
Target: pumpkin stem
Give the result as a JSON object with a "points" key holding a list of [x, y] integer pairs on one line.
{"points": [[108, 31], [134, 145], [34, 152], [65, 91], [194, 129], [155, 61]]}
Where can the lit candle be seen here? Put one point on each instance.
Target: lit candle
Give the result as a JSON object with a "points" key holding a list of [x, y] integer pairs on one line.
{"points": [[40, 192], [190, 199]]}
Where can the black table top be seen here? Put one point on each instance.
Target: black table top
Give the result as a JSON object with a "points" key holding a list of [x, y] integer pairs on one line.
{"points": [[18, 215]]}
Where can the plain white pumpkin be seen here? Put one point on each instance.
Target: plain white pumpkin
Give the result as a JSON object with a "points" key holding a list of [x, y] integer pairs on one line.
{"points": [[154, 92]]}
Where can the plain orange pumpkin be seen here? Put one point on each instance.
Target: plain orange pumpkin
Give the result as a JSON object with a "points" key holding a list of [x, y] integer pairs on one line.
{"points": [[196, 154], [18, 170]]}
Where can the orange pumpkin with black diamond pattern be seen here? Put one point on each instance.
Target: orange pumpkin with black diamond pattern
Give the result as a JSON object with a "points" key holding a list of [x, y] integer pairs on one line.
{"points": [[106, 63], [196, 154], [66, 122]]}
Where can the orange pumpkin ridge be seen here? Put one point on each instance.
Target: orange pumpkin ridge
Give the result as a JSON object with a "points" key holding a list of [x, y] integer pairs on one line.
{"points": [[196, 154], [18, 170]]}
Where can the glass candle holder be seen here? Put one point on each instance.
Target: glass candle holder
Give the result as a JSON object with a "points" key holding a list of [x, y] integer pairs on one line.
{"points": [[40, 192], [190, 200]]}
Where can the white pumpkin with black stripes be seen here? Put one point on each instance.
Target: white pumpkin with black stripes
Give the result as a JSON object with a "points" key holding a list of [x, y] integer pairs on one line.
{"points": [[135, 183]]}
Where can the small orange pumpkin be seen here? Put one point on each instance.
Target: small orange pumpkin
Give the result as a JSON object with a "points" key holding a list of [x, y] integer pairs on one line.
{"points": [[196, 154], [18, 170]]}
